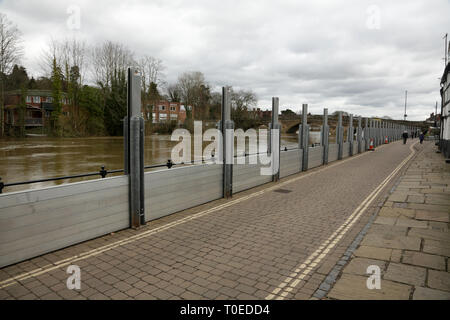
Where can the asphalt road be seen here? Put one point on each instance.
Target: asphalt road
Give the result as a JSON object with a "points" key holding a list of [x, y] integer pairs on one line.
{"points": [[243, 250]]}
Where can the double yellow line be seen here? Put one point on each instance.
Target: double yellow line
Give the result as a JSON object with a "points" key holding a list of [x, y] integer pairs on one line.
{"points": [[291, 282]]}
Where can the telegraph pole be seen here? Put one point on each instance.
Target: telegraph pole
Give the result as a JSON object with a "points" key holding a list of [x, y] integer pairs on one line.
{"points": [[406, 99], [435, 116], [445, 50]]}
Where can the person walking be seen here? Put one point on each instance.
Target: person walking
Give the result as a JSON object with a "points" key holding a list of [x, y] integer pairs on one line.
{"points": [[421, 137], [405, 136]]}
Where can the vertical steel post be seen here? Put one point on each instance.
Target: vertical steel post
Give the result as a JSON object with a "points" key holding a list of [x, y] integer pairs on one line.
{"points": [[305, 137], [300, 145], [391, 136], [388, 131], [366, 134], [136, 156], [340, 136], [126, 145], [372, 133], [377, 124], [325, 135], [141, 169], [275, 139], [359, 135], [350, 135], [228, 143]]}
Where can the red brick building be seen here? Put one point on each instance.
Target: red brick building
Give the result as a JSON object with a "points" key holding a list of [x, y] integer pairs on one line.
{"points": [[168, 111], [39, 106]]}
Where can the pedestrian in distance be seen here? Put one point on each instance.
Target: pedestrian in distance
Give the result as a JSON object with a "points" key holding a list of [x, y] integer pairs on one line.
{"points": [[421, 137], [405, 136]]}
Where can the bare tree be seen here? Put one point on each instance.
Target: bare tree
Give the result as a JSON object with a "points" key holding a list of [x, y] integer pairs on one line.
{"points": [[189, 84], [173, 93], [67, 53], [243, 99], [241, 102], [109, 59], [10, 44], [151, 70], [10, 54]]}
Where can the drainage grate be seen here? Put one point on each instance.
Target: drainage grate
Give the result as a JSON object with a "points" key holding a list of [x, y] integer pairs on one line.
{"points": [[282, 191]]}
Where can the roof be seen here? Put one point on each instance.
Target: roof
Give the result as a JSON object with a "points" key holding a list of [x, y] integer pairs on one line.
{"points": [[13, 106], [33, 92]]}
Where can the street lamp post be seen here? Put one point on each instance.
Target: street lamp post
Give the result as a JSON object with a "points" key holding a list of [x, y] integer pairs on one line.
{"points": [[406, 99]]}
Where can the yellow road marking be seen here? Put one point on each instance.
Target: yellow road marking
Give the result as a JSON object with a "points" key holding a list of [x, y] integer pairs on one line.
{"points": [[308, 265], [82, 256]]}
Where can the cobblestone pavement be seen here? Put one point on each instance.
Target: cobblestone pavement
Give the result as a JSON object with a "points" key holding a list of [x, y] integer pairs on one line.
{"points": [[409, 240], [262, 244]]}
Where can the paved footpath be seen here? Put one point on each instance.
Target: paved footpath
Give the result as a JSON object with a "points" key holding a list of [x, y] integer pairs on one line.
{"points": [[262, 244], [409, 240]]}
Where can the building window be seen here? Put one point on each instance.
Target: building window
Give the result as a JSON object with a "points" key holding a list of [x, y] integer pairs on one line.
{"points": [[173, 116], [154, 120], [162, 107], [37, 99], [162, 116], [172, 108], [28, 99], [49, 99]]}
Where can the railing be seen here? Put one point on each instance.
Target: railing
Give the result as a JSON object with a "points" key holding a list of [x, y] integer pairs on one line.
{"points": [[103, 172], [31, 121]]}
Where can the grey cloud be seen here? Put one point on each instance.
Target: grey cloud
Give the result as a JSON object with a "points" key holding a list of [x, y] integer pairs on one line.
{"points": [[320, 52]]}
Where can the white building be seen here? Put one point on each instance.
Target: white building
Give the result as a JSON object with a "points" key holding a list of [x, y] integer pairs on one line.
{"points": [[445, 112]]}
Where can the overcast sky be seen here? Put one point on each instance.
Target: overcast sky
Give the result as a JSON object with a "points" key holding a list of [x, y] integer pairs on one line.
{"points": [[357, 56]]}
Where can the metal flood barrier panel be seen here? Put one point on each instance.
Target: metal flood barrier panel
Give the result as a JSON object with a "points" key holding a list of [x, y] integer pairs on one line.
{"points": [[355, 147], [333, 150], [290, 162], [246, 176], [172, 190], [345, 149], [315, 157], [35, 222]]}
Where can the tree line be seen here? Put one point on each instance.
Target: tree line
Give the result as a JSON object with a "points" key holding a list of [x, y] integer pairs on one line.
{"points": [[94, 81]]}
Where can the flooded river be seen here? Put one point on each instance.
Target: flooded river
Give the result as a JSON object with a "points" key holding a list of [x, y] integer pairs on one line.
{"points": [[35, 158]]}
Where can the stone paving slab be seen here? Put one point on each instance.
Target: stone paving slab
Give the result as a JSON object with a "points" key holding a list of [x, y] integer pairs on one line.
{"points": [[409, 240], [421, 293], [353, 287]]}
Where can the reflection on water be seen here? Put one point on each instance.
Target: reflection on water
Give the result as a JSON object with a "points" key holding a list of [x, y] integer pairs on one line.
{"points": [[42, 157]]}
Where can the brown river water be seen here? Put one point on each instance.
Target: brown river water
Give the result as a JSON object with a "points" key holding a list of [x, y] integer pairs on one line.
{"points": [[35, 158]]}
